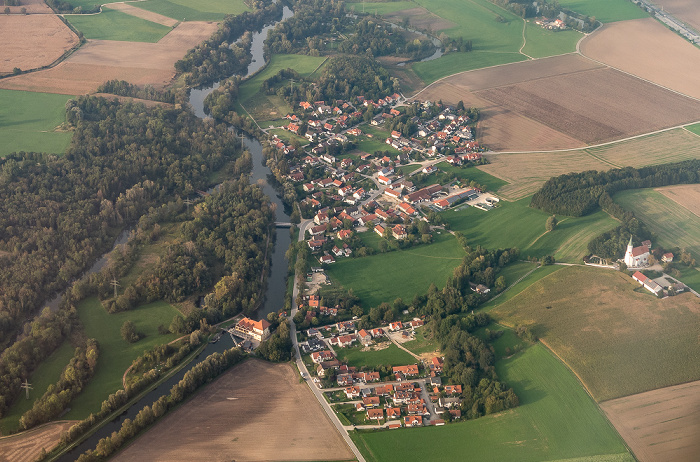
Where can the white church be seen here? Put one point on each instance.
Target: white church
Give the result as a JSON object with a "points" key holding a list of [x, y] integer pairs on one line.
{"points": [[637, 257]]}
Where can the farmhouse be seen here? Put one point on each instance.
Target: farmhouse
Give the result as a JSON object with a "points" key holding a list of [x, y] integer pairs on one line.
{"points": [[648, 284], [259, 330]]}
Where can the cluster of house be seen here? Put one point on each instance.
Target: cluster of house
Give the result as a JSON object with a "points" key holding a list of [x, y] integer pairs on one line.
{"points": [[551, 24], [654, 287]]}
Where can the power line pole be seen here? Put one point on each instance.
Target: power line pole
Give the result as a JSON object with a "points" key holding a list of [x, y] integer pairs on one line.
{"points": [[115, 284], [27, 386], [189, 202]]}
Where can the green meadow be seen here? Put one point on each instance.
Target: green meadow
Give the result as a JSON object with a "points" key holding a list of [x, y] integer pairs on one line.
{"points": [[694, 129], [48, 372], [420, 344], [380, 8], [473, 174], [452, 63], [401, 273], [115, 25], [540, 43], [393, 355], [116, 355], [202, 10], [556, 420], [28, 121], [515, 224], [606, 10]]}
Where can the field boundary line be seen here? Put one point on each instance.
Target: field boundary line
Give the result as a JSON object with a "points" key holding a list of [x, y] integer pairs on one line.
{"points": [[524, 40], [685, 127], [605, 161]]}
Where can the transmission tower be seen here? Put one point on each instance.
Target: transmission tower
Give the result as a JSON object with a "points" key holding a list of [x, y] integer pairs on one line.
{"points": [[189, 202], [27, 386], [115, 284]]}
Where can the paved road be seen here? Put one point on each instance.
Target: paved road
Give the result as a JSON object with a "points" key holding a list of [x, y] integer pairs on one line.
{"points": [[302, 367]]}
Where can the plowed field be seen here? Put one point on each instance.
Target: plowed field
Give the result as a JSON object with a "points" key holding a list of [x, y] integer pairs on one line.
{"points": [[687, 11], [26, 446], [256, 411], [646, 48], [32, 41], [659, 425]]}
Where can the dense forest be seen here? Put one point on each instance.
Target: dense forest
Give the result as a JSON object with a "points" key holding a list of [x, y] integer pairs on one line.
{"points": [[124, 88], [57, 214]]}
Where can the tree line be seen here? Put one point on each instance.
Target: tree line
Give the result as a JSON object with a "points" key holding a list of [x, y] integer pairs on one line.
{"points": [[124, 88]]}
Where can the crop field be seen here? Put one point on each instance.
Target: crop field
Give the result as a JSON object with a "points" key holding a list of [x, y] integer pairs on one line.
{"points": [[676, 61], [605, 10], [255, 411], [392, 355], [48, 373], [32, 7], [670, 212], [515, 224], [401, 273], [685, 10], [116, 354], [187, 10], [28, 122], [151, 16], [33, 41], [660, 424], [541, 428], [115, 25], [27, 446], [601, 104], [100, 60], [592, 319]]}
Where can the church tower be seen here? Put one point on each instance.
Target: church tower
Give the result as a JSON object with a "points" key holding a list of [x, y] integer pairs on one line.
{"points": [[629, 260]]}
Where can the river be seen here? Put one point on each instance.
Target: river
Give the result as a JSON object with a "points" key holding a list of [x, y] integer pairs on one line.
{"points": [[276, 286]]}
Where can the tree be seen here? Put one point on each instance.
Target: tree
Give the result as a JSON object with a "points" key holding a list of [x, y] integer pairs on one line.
{"points": [[129, 333], [7, 10], [551, 223]]}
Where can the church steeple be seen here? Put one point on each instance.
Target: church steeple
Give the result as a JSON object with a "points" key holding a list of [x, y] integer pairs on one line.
{"points": [[629, 246]]}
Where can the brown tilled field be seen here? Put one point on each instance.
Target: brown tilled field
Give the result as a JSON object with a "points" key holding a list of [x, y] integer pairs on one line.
{"points": [[659, 425], [32, 41], [687, 11], [596, 106], [421, 19], [32, 7], [686, 195], [128, 8], [26, 446], [527, 172], [102, 60], [256, 411], [646, 48]]}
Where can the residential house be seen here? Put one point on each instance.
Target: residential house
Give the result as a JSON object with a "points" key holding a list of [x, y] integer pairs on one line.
{"points": [[379, 229], [375, 414], [343, 340], [409, 371], [345, 326], [449, 402], [394, 326], [352, 392], [327, 259], [436, 364], [364, 337], [413, 421], [399, 232], [319, 356], [326, 367], [453, 389]]}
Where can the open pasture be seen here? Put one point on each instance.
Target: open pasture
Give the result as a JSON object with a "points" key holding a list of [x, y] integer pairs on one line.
{"points": [[543, 427], [659, 425], [256, 411], [401, 273], [392, 355], [540, 42], [676, 61], [606, 10], [600, 104], [670, 212], [32, 41], [687, 11], [28, 122], [115, 25], [515, 224], [619, 339], [27, 446], [101, 60], [201, 10]]}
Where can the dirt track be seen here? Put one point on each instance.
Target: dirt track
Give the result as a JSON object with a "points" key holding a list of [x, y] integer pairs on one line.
{"points": [[26, 446], [659, 425], [33, 41], [256, 411], [646, 48], [102, 60]]}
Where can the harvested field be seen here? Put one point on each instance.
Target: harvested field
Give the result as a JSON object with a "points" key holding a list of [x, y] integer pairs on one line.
{"points": [[32, 6], [26, 446], [687, 11], [527, 172], [33, 41], [659, 148], [256, 411], [421, 19], [102, 60], [128, 8], [646, 48], [685, 195], [659, 425], [599, 105]]}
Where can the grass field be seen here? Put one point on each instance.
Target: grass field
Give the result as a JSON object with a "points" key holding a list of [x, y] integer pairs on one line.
{"points": [[115, 25], [540, 43], [539, 273], [205, 10], [48, 372], [507, 344], [691, 278], [473, 174], [380, 8], [675, 225], [116, 354], [358, 358], [556, 420], [606, 10], [619, 340], [304, 65], [515, 224], [28, 120], [452, 63], [694, 129], [402, 273], [420, 344]]}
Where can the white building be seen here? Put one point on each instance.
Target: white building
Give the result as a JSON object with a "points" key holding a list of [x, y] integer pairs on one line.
{"points": [[636, 257]]}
